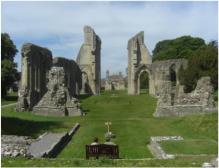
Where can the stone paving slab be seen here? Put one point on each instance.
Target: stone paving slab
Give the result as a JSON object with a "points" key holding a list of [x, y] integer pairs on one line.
{"points": [[44, 146]]}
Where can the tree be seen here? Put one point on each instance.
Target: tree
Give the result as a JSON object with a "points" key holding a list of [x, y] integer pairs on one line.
{"points": [[144, 80], [203, 62], [9, 72], [181, 47]]}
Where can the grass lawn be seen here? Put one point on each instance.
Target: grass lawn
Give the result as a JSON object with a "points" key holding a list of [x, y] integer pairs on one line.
{"points": [[133, 124], [184, 147]]}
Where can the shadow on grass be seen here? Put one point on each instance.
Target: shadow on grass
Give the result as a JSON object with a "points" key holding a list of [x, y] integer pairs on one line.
{"points": [[85, 111], [84, 96], [16, 126], [10, 98]]}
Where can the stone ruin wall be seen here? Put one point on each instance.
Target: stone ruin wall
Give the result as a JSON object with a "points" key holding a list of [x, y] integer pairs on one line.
{"points": [[35, 64], [138, 55], [38, 88], [164, 82], [160, 73], [58, 100], [89, 61], [177, 103], [72, 72]]}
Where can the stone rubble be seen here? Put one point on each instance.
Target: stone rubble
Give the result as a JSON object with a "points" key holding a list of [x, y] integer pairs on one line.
{"points": [[46, 145], [13, 146]]}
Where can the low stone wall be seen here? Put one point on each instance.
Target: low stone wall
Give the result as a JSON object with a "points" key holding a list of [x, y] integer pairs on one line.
{"points": [[182, 110], [49, 145], [157, 150]]}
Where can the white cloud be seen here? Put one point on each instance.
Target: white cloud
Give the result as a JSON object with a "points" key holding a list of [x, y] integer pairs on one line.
{"points": [[59, 25]]}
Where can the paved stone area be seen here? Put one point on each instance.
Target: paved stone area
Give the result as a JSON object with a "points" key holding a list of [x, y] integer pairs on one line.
{"points": [[44, 145]]}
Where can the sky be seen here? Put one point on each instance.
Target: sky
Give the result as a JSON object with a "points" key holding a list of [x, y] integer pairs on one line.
{"points": [[58, 26]]}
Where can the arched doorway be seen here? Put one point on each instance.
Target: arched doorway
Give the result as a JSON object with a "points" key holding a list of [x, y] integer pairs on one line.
{"points": [[144, 82], [172, 75], [85, 84]]}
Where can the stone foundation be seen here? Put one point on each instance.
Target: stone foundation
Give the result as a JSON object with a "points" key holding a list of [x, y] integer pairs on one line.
{"points": [[182, 110], [157, 150]]}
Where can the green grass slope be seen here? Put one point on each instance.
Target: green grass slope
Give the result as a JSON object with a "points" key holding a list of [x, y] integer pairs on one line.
{"points": [[132, 122]]}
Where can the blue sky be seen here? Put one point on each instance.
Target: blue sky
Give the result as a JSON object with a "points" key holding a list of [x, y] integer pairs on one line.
{"points": [[59, 25]]}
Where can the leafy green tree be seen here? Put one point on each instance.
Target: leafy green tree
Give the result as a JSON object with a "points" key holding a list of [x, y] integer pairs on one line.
{"points": [[9, 72], [181, 47], [144, 81], [203, 62]]}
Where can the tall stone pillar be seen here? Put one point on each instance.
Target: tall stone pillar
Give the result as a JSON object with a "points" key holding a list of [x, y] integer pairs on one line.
{"points": [[89, 58]]}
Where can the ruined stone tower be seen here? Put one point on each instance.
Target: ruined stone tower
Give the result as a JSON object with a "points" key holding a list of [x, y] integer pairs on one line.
{"points": [[35, 63], [139, 60], [89, 61]]}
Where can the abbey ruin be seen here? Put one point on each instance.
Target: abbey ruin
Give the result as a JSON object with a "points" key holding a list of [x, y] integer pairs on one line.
{"points": [[115, 81], [89, 62], [164, 83], [50, 85]]}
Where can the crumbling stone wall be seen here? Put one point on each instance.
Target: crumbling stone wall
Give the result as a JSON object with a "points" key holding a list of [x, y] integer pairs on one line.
{"points": [[58, 101], [164, 82], [161, 73], [89, 61], [139, 60], [35, 64], [72, 72], [174, 102]]}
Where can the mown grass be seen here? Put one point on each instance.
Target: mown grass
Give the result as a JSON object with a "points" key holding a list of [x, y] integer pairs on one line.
{"points": [[191, 161], [184, 147], [132, 122]]}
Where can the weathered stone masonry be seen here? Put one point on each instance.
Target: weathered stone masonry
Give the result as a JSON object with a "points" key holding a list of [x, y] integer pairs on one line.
{"points": [[36, 62], [89, 61], [164, 82], [49, 86]]}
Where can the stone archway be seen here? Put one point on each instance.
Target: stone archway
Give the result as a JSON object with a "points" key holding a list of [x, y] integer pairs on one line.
{"points": [[173, 77], [85, 84], [140, 70], [144, 82]]}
